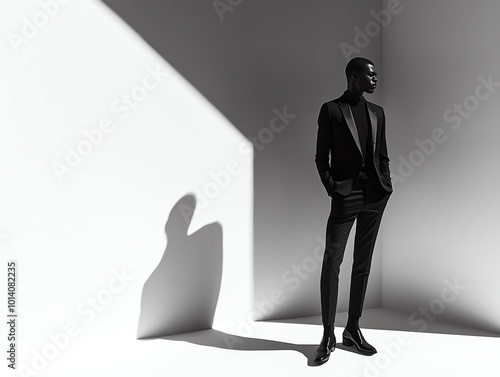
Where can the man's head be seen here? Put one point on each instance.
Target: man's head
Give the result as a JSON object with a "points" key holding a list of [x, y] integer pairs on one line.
{"points": [[361, 75]]}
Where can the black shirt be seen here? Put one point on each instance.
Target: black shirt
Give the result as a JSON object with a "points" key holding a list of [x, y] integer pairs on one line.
{"points": [[363, 126]]}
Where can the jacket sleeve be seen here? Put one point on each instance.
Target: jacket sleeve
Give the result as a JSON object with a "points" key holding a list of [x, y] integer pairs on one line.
{"points": [[383, 154], [323, 145]]}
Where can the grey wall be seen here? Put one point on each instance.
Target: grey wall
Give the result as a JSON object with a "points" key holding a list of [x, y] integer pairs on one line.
{"points": [[267, 55], [443, 221]]}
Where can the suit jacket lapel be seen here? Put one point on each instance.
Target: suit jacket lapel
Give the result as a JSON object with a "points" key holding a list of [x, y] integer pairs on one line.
{"points": [[346, 111]]}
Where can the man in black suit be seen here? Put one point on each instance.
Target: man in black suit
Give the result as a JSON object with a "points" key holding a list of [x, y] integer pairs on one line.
{"points": [[353, 163]]}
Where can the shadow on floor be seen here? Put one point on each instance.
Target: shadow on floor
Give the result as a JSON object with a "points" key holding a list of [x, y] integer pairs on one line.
{"points": [[222, 340]]}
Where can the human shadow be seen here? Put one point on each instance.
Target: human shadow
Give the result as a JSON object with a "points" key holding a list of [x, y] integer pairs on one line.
{"points": [[222, 340], [182, 292]]}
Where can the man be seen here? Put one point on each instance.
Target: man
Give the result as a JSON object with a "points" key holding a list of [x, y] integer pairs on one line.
{"points": [[353, 163]]}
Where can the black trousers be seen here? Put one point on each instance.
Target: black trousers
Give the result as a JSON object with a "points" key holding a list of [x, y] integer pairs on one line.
{"points": [[365, 204]]}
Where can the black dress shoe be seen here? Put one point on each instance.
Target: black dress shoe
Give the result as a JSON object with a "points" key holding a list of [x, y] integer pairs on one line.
{"points": [[356, 339], [326, 347]]}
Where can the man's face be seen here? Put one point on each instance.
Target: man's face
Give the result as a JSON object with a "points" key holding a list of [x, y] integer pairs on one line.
{"points": [[366, 80]]}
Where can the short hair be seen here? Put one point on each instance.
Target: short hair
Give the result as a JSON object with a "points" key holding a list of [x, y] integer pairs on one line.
{"points": [[356, 64]]}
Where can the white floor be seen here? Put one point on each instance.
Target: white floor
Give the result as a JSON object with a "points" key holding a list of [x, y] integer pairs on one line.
{"points": [[272, 348]]}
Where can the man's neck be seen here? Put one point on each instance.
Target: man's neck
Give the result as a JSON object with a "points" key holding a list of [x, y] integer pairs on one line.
{"points": [[354, 93], [352, 98]]}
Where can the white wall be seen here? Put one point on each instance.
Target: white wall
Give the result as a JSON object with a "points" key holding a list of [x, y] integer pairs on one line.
{"points": [[442, 222], [106, 214]]}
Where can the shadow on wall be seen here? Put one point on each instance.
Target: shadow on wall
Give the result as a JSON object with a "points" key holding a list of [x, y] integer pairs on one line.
{"points": [[245, 70], [268, 64], [182, 292]]}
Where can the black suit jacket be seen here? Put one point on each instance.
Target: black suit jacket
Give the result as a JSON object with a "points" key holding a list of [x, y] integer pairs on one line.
{"points": [[338, 150]]}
